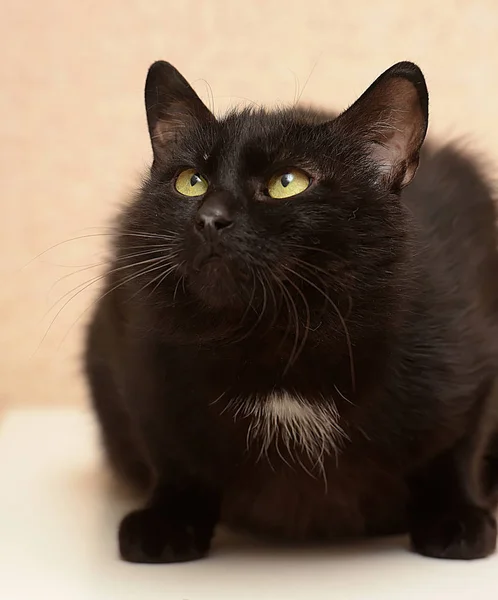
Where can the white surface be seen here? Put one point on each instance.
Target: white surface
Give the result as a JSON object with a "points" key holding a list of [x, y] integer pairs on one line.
{"points": [[58, 518]]}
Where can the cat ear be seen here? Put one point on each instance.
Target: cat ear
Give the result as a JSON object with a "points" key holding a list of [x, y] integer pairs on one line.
{"points": [[391, 118], [171, 105]]}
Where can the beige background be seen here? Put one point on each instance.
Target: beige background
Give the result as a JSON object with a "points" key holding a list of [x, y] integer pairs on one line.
{"points": [[73, 138]]}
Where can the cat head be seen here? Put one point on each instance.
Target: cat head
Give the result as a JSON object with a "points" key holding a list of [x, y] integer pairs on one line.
{"points": [[262, 211]]}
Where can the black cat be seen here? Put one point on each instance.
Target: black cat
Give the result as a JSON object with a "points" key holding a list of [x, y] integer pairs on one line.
{"points": [[290, 342]]}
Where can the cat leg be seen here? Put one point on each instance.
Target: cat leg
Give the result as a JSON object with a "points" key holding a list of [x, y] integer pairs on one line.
{"points": [[178, 521], [450, 513], [447, 518]]}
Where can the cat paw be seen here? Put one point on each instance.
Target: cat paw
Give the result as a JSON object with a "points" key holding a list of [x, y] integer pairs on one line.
{"points": [[466, 532], [148, 536]]}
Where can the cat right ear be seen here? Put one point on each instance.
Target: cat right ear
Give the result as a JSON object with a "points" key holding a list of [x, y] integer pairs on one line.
{"points": [[390, 120], [171, 105]]}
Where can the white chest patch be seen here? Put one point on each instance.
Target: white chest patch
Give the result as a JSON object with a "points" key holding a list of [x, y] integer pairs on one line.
{"points": [[297, 423]]}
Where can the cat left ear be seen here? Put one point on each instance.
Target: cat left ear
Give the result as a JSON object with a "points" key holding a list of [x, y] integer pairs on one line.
{"points": [[391, 119], [171, 105]]}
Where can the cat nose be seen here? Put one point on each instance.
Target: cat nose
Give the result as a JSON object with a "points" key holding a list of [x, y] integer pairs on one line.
{"points": [[214, 214]]}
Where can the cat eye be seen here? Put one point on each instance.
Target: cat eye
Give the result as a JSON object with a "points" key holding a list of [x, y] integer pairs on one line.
{"points": [[290, 183], [190, 183]]}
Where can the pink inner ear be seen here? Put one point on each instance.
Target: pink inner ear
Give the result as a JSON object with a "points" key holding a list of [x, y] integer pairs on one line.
{"points": [[389, 162], [386, 154], [397, 131], [166, 130], [172, 120], [391, 153]]}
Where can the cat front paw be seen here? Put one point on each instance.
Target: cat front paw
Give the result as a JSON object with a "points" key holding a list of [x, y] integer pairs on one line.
{"points": [[465, 532], [149, 536]]}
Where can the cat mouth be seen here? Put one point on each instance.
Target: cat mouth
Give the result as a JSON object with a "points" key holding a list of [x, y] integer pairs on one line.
{"points": [[210, 259]]}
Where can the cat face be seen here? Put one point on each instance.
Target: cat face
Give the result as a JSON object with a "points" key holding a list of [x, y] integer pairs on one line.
{"points": [[286, 208]]}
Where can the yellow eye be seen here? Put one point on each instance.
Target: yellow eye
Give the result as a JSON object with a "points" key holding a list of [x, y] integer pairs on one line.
{"points": [[290, 183], [190, 183]]}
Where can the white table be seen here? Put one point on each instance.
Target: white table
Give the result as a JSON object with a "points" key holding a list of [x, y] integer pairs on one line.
{"points": [[58, 516]]}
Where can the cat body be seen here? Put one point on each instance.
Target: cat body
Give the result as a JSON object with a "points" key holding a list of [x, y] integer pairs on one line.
{"points": [[294, 341]]}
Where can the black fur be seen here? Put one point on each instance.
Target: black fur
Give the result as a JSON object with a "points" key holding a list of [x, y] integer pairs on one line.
{"points": [[381, 299]]}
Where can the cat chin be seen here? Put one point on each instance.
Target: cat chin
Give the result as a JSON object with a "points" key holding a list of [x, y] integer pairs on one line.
{"points": [[215, 285]]}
